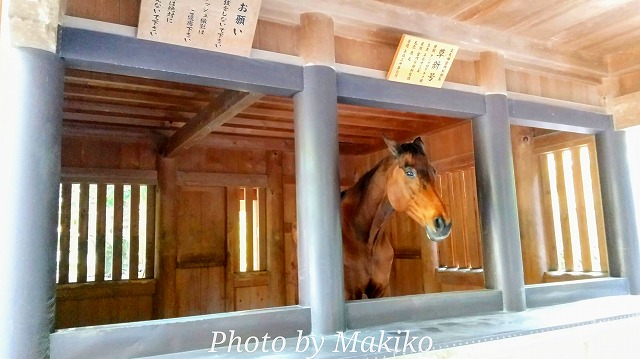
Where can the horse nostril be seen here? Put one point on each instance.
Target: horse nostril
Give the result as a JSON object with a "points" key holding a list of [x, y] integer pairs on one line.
{"points": [[439, 224]]}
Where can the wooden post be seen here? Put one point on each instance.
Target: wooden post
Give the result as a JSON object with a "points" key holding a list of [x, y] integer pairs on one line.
{"points": [[316, 43], [118, 199], [248, 210], [492, 72], [275, 229], [527, 175], [134, 230], [83, 232], [165, 302], [31, 101], [528, 193], [321, 277], [151, 232], [564, 212], [101, 209], [233, 258]]}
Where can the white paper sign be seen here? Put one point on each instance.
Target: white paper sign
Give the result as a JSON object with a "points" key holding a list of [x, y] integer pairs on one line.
{"points": [[219, 25]]}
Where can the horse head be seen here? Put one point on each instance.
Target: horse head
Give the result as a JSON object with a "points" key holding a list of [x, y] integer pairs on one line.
{"points": [[411, 188]]}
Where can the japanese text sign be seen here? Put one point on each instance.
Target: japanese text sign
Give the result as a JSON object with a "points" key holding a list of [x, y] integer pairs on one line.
{"points": [[422, 62], [220, 25]]}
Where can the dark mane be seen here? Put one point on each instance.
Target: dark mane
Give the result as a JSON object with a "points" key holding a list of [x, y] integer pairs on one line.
{"points": [[363, 182], [411, 148]]}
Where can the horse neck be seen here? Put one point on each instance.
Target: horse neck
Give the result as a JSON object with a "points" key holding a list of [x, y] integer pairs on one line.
{"points": [[375, 209]]}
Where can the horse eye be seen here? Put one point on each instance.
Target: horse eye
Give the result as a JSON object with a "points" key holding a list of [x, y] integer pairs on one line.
{"points": [[410, 172]]}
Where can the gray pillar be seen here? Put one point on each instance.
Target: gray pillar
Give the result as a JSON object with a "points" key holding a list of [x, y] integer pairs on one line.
{"points": [[619, 211], [320, 268], [495, 178], [30, 134]]}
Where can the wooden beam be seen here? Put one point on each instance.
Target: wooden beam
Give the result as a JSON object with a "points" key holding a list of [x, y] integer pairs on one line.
{"points": [[558, 141], [130, 288], [624, 62], [223, 108], [206, 179], [165, 302], [626, 110], [110, 176], [461, 277], [275, 229]]}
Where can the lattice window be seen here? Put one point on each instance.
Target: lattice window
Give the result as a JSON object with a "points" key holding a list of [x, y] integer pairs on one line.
{"points": [[252, 240], [105, 232], [573, 209]]}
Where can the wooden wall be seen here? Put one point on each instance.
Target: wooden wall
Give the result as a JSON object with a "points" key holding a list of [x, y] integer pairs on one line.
{"points": [[110, 301], [196, 266]]}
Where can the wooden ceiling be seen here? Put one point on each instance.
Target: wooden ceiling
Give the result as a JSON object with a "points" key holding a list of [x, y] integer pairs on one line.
{"points": [[121, 102], [597, 36]]}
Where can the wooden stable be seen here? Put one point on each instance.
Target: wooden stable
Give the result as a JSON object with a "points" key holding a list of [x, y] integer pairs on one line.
{"points": [[197, 181], [118, 122]]}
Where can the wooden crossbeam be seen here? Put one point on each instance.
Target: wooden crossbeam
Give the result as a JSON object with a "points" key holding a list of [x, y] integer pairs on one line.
{"points": [[223, 108], [625, 110]]}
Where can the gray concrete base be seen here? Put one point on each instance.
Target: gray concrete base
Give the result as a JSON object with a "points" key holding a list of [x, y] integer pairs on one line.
{"points": [[445, 333]]}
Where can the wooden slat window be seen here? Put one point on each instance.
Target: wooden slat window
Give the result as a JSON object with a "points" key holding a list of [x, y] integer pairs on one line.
{"points": [[106, 232], [571, 193], [252, 237], [463, 249]]}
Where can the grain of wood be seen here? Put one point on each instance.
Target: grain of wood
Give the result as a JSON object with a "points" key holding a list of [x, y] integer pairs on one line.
{"points": [[585, 246], [118, 218], [101, 218], [564, 213], [83, 232], [65, 233], [134, 234]]}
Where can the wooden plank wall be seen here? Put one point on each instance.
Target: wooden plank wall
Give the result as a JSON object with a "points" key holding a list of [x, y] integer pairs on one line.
{"points": [[553, 87], [106, 302], [208, 278], [205, 278]]}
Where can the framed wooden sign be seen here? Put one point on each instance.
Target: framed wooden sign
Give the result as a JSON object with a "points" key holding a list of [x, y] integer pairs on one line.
{"points": [[421, 62], [219, 25]]}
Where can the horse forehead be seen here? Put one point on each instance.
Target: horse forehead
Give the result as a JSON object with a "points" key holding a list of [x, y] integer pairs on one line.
{"points": [[421, 164]]}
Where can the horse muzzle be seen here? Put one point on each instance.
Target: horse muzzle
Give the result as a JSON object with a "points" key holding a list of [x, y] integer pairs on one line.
{"points": [[440, 230]]}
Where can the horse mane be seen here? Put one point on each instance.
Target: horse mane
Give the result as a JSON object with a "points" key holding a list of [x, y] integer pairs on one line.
{"points": [[363, 182], [360, 187]]}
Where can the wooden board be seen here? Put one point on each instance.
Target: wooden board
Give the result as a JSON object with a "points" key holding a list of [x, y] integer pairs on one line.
{"points": [[221, 27]]}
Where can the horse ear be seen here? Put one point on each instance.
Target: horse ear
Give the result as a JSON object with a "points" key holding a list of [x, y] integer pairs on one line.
{"points": [[418, 142], [393, 146]]}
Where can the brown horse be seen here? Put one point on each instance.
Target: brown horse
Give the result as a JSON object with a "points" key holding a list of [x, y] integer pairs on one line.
{"points": [[404, 182]]}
